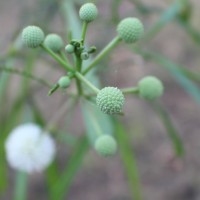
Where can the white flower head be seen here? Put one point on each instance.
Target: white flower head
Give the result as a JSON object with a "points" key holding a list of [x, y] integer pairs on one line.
{"points": [[29, 149]]}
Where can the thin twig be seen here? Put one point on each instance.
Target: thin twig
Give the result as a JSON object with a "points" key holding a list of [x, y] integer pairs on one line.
{"points": [[25, 74]]}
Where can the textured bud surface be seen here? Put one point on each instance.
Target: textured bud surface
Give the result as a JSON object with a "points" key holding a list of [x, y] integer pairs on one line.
{"points": [[64, 82], [110, 100], [69, 48], [150, 88], [54, 42], [84, 55], [130, 30], [88, 12], [32, 36], [106, 145]]}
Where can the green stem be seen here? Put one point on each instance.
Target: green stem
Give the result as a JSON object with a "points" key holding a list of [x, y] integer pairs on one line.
{"points": [[170, 128], [57, 58], [21, 186], [64, 57], [102, 54], [78, 63], [84, 29], [130, 90], [78, 68], [88, 83], [25, 74]]}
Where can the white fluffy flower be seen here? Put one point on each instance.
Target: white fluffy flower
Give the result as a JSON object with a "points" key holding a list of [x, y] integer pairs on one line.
{"points": [[29, 149]]}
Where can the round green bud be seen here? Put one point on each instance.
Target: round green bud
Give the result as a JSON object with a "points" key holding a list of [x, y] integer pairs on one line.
{"points": [[32, 36], [88, 12], [150, 88], [110, 100], [105, 145], [84, 56], [54, 42], [130, 30], [69, 48], [64, 82]]}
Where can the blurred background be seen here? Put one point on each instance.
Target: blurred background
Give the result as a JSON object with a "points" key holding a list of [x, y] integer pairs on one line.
{"points": [[164, 137]]}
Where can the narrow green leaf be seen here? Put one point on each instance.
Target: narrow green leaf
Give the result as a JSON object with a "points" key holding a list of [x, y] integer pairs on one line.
{"points": [[7, 123], [3, 169], [129, 161], [64, 181], [191, 31], [166, 17], [4, 79], [95, 121], [51, 176], [171, 129]]}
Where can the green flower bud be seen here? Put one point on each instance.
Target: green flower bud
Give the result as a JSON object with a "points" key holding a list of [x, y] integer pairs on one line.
{"points": [[150, 88], [105, 145], [84, 55], [130, 30], [110, 100], [54, 42], [64, 82], [69, 48], [88, 12], [32, 36]]}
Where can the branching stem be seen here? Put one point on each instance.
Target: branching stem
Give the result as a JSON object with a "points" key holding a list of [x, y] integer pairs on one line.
{"points": [[103, 53], [88, 83]]}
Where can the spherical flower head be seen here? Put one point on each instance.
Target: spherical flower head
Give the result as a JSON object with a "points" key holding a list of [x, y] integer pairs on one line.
{"points": [[130, 30], [64, 82], [150, 88], [88, 12], [54, 42], [105, 145], [29, 149], [69, 48], [32, 36], [110, 100]]}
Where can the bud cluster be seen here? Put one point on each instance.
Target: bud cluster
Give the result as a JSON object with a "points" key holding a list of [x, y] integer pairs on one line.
{"points": [[110, 100]]}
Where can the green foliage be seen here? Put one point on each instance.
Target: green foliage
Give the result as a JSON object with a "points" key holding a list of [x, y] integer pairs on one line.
{"points": [[171, 130], [63, 182], [129, 161]]}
